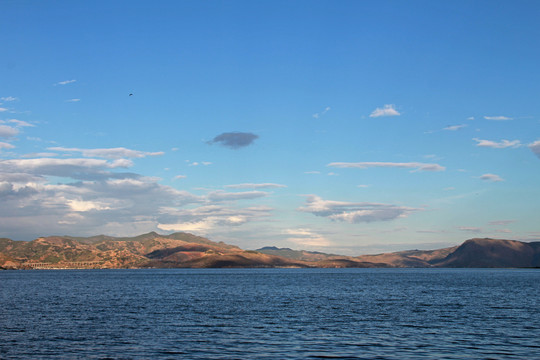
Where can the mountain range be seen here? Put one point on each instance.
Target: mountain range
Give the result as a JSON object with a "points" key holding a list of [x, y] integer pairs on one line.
{"points": [[184, 250]]}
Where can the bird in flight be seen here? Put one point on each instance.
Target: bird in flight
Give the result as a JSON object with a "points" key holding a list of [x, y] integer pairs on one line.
{"points": [[130, 94]]}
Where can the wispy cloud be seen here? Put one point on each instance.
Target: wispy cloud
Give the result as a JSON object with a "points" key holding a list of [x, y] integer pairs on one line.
{"points": [[354, 212], [109, 153], [65, 82], [317, 115], [234, 140], [535, 147], [179, 177], [416, 166], [73, 168], [3, 109], [8, 98], [470, 229], [455, 127], [501, 222], [73, 100], [386, 110], [220, 195], [196, 163], [491, 177], [307, 237], [18, 123], [4, 145], [431, 231], [498, 118], [255, 186], [498, 145]]}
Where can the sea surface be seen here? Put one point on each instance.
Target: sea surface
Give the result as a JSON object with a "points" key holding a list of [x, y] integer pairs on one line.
{"points": [[270, 314]]}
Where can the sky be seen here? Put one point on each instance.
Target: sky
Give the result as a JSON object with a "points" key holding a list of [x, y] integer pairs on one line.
{"points": [[349, 127]]}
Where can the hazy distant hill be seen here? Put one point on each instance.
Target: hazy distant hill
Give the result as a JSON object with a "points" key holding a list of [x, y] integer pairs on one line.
{"points": [[185, 250], [297, 254]]}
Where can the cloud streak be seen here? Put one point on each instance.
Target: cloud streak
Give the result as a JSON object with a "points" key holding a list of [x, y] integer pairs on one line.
{"points": [[306, 237], [498, 118], [255, 186], [65, 82], [454, 127], [109, 153], [4, 145], [503, 144], [317, 115], [220, 195], [415, 166]]}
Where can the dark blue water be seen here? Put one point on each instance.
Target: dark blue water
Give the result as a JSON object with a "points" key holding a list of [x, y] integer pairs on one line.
{"points": [[270, 314]]}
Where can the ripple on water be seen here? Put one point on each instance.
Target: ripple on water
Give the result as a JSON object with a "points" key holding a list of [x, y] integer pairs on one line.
{"points": [[271, 313]]}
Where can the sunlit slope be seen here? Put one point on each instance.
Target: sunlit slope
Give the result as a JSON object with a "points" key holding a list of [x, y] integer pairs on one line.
{"points": [[183, 250]]}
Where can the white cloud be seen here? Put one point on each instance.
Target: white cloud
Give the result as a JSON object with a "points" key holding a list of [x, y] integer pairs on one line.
{"points": [[8, 131], [491, 177], [65, 82], [387, 110], [82, 206], [498, 145], [362, 186], [307, 237], [416, 166], [204, 219], [178, 177], [4, 145], [196, 163], [498, 118], [73, 100], [19, 123], [3, 109], [317, 115], [354, 212], [255, 186], [312, 172], [111, 201], [470, 229], [535, 147], [470, 118], [109, 153], [454, 127], [8, 98]]}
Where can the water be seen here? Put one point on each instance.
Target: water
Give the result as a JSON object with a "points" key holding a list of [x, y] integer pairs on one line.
{"points": [[270, 314]]}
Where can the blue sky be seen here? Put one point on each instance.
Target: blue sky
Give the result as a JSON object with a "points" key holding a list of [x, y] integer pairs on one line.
{"points": [[350, 127]]}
